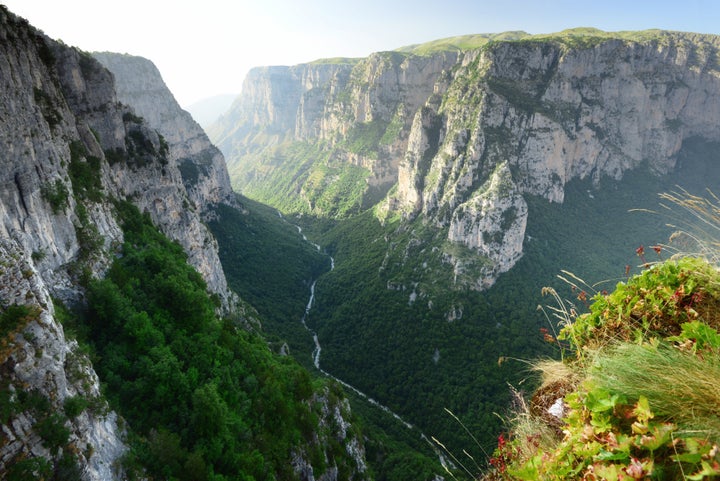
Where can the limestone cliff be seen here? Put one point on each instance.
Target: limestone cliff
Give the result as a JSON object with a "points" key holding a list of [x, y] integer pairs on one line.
{"points": [[140, 85], [359, 111], [70, 148], [59, 113], [193, 163], [578, 104]]}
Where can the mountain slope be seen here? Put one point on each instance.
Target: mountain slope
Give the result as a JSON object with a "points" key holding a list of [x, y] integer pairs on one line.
{"points": [[437, 128]]}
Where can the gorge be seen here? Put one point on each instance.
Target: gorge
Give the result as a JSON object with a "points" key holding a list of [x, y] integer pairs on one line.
{"points": [[154, 322], [452, 181]]}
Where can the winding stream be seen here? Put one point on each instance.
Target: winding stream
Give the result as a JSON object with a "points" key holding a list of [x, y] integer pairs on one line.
{"points": [[318, 348]]}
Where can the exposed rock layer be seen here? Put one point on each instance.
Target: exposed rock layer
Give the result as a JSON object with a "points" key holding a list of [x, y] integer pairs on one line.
{"points": [[193, 163]]}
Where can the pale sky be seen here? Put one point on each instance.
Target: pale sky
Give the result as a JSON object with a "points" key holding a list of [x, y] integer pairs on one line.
{"points": [[205, 47]]}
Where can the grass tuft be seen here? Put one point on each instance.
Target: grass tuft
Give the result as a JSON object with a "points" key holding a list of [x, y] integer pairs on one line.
{"points": [[680, 386]]}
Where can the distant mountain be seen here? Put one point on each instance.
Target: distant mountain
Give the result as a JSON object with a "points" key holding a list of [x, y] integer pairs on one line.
{"points": [[207, 111]]}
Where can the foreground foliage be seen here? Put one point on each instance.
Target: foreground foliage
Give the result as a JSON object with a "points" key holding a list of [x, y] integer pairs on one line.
{"points": [[643, 400]]}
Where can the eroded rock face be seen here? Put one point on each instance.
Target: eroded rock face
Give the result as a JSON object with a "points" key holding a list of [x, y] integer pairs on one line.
{"points": [[333, 103], [554, 108], [38, 362], [334, 428], [554, 113], [202, 166], [492, 222], [195, 177]]}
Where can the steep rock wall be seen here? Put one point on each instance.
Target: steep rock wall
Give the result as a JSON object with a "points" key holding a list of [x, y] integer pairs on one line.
{"points": [[358, 111], [556, 112], [69, 148], [140, 85], [47, 114], [555, 108], [192, 163]]}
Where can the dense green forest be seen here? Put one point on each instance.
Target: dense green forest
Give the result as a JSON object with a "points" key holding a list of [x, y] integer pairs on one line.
{"points": [[204, 396], [268, 264]]}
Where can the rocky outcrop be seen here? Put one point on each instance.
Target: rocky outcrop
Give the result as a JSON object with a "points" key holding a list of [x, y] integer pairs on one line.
{"points": [[192, 162], [492, 223], [335, 432], [579, 104], [42, 373]]}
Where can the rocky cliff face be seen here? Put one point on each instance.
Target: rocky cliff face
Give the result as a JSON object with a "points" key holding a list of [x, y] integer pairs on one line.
{"points": [[360, 111], [554, 108], [140, 85], [193, 163], [555, 112], [59, 113], [69, 148]]}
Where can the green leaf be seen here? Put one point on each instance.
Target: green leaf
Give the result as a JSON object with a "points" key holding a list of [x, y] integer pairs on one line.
{"points": [[692, 458], [642, 410], [599, 400], [699, 332], [610, 471], [612, 456], [660, 435], [529, 470], [602, 421]]}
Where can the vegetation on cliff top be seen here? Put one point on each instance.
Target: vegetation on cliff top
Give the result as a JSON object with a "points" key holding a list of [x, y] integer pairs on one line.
{"points": [[636, 394], [580, 37]]}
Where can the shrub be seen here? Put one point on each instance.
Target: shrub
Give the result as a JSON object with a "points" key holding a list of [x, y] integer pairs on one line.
{"points": [[74, 405], [56, 194], [15, 317], [84, 173], [53, 432], [30, 468]]}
